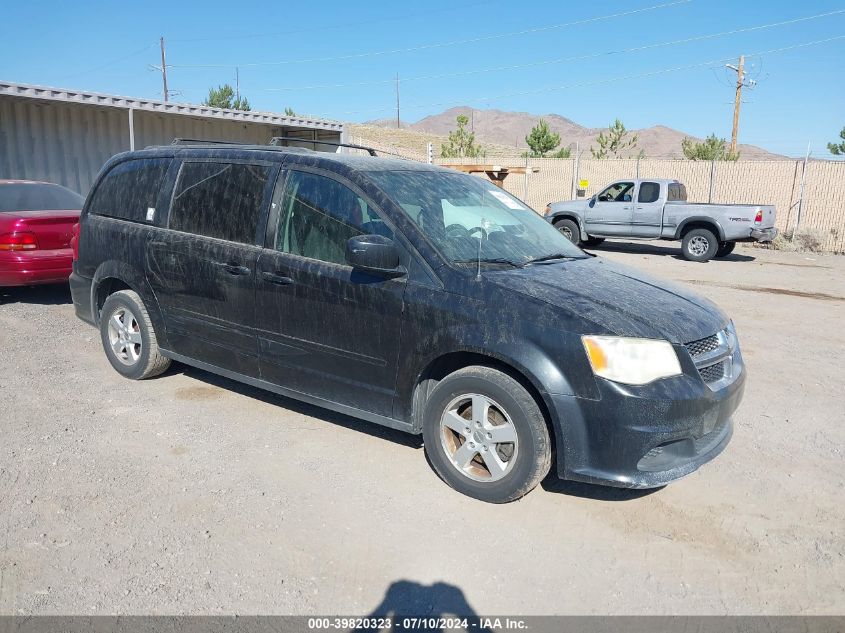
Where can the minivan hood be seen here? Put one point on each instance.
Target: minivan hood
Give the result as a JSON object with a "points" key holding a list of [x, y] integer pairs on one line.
{"points": [[616, 299]]}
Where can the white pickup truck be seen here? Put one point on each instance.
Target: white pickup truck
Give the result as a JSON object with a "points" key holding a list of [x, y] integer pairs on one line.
{"points": [[658, 209]]}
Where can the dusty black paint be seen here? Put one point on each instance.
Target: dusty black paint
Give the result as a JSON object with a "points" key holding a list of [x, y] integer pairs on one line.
{"points": [[362, 343]]}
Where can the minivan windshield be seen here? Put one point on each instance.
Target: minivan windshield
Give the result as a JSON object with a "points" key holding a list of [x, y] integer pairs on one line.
{"points": [[468, 218]]}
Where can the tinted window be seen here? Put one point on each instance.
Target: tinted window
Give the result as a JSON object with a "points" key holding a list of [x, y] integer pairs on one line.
{"points": [[463, 216], [617, 192], [26, 196], [319, 215], [677, 192], [649, 192], [222, 200], [130, 189]]}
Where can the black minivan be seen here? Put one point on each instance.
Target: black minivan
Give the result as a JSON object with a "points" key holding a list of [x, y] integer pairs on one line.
{"points": [[407, 295]]}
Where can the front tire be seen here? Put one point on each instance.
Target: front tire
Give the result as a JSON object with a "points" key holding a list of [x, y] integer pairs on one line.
{"points": [[128, 337], [569, 229], [700, 245], [485, 435], [725, 249]]}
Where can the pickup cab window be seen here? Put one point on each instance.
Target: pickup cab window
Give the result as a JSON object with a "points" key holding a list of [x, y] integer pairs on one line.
{"points": [[649, 192], [617, 192]]}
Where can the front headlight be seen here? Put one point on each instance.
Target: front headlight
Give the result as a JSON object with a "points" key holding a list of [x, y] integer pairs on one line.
{"points": [[633, 361]]}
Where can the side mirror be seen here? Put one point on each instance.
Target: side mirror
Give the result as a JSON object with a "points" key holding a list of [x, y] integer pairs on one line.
{"points": [[374, 254], [593, 199]]}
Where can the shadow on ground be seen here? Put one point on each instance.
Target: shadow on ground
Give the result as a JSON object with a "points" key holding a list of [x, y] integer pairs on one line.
{"points": [[440, 600], [649, 248], [49, 295]]}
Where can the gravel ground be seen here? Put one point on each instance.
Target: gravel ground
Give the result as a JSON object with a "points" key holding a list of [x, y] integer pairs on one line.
{"points": [[194, 494]]}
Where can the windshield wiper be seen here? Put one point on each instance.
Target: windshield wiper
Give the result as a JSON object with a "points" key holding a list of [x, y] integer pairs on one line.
{"points": [[552, 257], [489, 260]]}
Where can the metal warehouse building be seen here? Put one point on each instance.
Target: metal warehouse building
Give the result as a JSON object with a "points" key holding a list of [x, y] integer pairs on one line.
{"points": [[65, 136]]}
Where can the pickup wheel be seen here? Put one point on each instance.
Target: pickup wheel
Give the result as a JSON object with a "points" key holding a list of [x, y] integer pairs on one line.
{"points": [[700, 245], [569, 230], [725, 249], [485, 435]]}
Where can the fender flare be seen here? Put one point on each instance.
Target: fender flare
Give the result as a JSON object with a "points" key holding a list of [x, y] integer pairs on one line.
{"points": [[701, 219]]}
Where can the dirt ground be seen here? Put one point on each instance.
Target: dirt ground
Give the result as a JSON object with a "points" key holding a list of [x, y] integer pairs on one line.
{"points": [[194, 494]]}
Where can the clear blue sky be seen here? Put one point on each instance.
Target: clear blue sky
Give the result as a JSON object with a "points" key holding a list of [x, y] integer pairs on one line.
{"points": [[800, 95]]}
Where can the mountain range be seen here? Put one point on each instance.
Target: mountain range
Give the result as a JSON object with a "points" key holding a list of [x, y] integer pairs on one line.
{"points": [[510, 128]]}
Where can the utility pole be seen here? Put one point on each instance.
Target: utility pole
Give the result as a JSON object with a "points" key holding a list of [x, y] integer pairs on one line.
{"points": [[237, 84], [163, 69], [740, 83], [398, 124]]}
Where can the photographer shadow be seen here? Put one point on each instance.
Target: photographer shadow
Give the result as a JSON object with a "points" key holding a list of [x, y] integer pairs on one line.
{"points": [[408, 599]]}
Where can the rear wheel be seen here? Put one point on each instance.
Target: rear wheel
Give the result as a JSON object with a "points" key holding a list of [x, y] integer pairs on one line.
{"points": [[725, 249], [485, 435], [700, 245], [569, 229], [128, 337]]}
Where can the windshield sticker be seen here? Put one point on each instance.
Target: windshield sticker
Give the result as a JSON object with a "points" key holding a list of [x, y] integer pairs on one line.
{"points": [[509, 202]]}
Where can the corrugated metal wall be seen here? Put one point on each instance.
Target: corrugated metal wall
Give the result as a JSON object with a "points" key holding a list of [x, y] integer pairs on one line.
{"points": [[68, 143]]}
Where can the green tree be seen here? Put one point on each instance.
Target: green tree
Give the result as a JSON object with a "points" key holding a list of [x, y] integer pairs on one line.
{"points": [[615, 142], [289, 111], [542, 140], [838, 148], [224, 97], [461, 142], [711, 148]]}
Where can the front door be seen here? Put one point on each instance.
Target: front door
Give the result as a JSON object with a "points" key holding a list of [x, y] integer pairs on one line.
{"points": [[202, 267], [610, 212], [326, 329], [648, 210]]}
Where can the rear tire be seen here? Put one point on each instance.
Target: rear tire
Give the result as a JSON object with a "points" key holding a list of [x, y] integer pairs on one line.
{"points": [[725, 249], [700, 245], [569, 229], [485, 435], [128, 337]]}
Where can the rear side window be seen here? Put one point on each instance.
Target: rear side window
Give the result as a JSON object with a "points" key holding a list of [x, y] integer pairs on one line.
{"points": [[130, 189], [677, 192], [649, 192], [220, 200], [36, 196]]}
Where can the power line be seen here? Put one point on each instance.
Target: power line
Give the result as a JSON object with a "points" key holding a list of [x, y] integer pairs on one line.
{"points": [[473, 40], [329, 27], [561, 60], [113, 62], [603, 81]]}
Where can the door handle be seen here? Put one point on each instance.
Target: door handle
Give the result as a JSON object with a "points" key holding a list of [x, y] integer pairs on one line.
{"points": [[233, 268], [274, 278]]}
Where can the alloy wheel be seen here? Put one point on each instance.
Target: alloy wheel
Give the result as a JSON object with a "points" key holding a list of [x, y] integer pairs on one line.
{"points": [[125, 336]]}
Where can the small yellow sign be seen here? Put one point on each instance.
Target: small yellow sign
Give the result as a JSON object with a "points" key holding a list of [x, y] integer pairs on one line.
{"points": [[583, 184]]}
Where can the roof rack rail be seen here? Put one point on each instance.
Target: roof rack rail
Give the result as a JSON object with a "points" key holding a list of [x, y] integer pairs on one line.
{"points": [[196, 141], [283, 141]]}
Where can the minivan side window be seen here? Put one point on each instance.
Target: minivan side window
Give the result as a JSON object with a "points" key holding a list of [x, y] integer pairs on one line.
{"points": [[649, 192], [318, 215], [220, 200], [130, 189]]}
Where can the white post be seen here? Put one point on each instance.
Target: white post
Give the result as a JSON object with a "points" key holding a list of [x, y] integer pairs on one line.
{"points": [[575, 174], [712, 181], [131, 129], [525, 182], [801, 192]]}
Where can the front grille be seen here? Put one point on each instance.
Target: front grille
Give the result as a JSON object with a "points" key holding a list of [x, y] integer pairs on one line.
{"points": [[702, 346], [712, 373]]}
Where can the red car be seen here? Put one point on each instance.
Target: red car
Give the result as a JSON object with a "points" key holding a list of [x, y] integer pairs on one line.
{"points": [[37, 222]]}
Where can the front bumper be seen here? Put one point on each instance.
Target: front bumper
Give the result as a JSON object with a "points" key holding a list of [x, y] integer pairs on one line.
{"points": [[645, 437], [764, 235]]}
